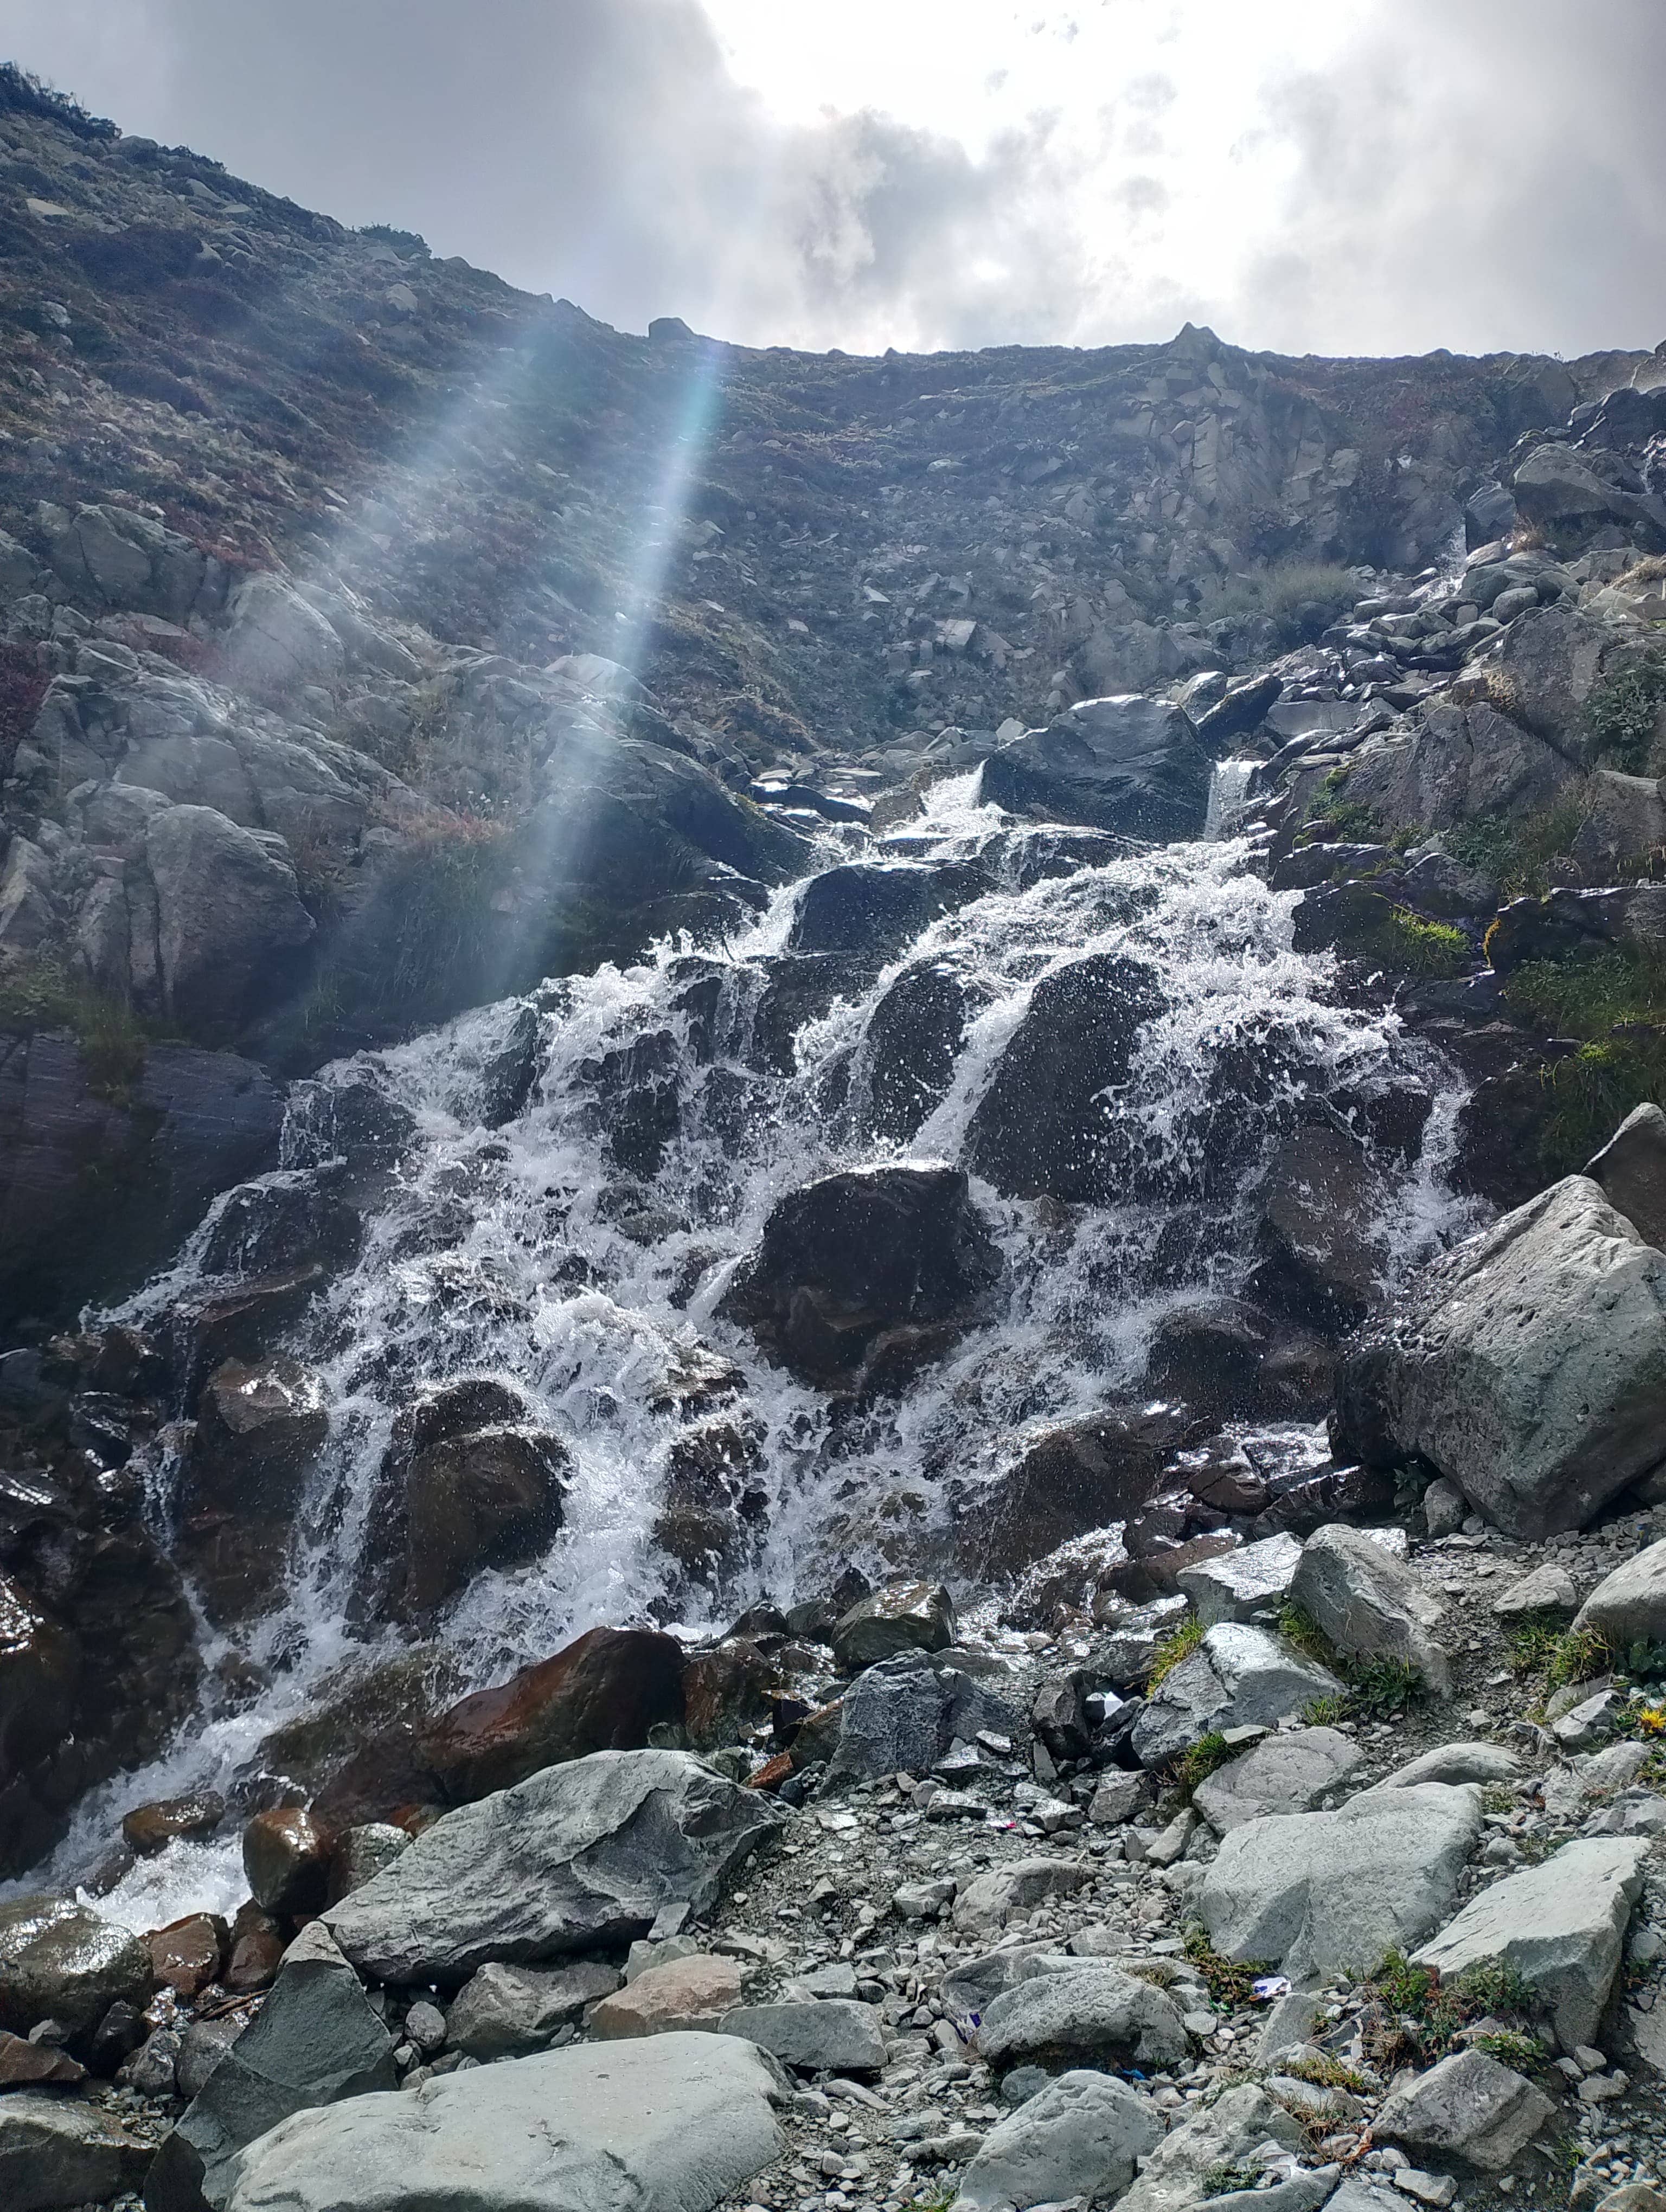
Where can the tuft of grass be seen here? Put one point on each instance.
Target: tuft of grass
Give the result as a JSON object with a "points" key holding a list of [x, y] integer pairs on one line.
{"points": [[1378, 1689], [1541, 1645], [1623, 714], [1588, 994], [1229, 1982], [1228, 2176], [1185, 1639], [1325, 1712], [1520, 2051], [1301, 598], [112, 1040], [1414, 946], [1300, 1629], [1516, 855], [1325, 2072], [1205, 1755], [1431, 2013]]}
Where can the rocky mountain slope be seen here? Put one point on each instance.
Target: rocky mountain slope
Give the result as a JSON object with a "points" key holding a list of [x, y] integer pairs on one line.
{"points": [[964, 1052]]}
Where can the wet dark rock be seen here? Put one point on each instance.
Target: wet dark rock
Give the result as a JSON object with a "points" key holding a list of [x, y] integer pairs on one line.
{"points": [[290, 1219], [880, 1269], [903, 1616], [101, 1175], [730, 1688], [286, 1856], [256, 1949], [259, 1430], [639, 1101], [1325, 1259], [188, 1954], [800, 987], [1236, 1360], [350, 1117], [1042, 1126], [874, 909], [347, 1711], [60, 1960], [1082, 1475], [489, 1499], [1130, 764], [26, 2065], [1239, 710], [240, 1321], [909, 1052], [151, 1828]]}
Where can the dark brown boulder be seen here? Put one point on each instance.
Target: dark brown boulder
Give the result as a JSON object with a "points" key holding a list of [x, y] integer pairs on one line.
{"points": [[1082, 1475], [257, 1951], [729, 1688], [286, 1857], [59, 1961], [188, 1954], [866, 1276], [151, 1828], [491, 1498], [259, 1430], [26, 2065]]}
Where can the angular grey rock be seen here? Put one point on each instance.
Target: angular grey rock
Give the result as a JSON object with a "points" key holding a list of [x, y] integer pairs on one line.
{"points": [[202, 2047], [1091, 2015], [989, 1900], [63, 1961], [1230, 2132], [1127, 764], [509, 2012], [575, 1857], [1631, 1168], [276, 640], [1118, 1798], [229, 916], [1629, 1606], [1469, 2106], [1284, 1773], [1249, 1584], [315, 2041], [1529, 1365], [1444, 1507], [1460, 762], [1547, 1590], [1239, 1677], [1318, 1892], [1080, 2136], [673, 2123], [362, 1852], [902, 1716], [902, 1617], [55, 2152], [1560, 1925], [974, 1985], [834, 2035], [1369, 1605], [1454, 1763]]}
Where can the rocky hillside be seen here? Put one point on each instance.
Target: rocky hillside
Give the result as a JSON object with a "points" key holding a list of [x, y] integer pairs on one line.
{"points": [[965, 1053]]}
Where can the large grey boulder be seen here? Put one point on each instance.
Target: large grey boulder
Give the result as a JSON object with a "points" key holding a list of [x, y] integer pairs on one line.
{"points": [[1458, 763], [509, 2012], [276, 641], [1248, 1584], [1243, 2126], [1560, 1925], [1529, 1365], [1632, 1170], [1629, 1605], [835, 2035], [1369, 1604], [1240, 1676], [1469, 2106], [1079, 2138], [989, 1900], [1093, 2015], [1557, 487], [576, 1857], [1551, 661], [56, 2153], [671, 2124], [1288, 1772], [1455, 1762], [903, 1616], [1130, 763], [1314, 1892], [315, 2041], [111, 555], [902, 1715], [229, 918]]}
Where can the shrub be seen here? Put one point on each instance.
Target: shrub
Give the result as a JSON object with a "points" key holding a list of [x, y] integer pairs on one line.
{"points": [[1430, 2012], [1300, 597], [411, 244], [1622, 712], [112, 1038], [1516, 854]]}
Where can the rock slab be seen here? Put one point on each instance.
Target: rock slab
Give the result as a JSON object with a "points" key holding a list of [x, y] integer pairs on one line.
{"points": [[1469, 2106], [1081, 2136]]}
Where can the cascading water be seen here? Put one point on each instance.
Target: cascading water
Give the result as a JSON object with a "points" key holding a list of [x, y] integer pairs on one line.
{"points": [[582, 1248]]}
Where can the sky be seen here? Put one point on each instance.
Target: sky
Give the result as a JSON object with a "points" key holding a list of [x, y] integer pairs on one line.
{"points": [[1324, 176]]}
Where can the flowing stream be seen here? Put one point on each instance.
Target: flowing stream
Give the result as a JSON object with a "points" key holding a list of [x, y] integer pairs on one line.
{"points": [[527, 1250]]}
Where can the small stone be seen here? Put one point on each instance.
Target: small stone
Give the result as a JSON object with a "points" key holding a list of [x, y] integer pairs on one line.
{"points": [[1547, 1590], [425, 2026], [1434, 2189], [682, 1993]]}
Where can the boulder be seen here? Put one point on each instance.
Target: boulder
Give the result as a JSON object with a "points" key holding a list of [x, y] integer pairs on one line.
{"points": [[286, 1855], [60, 1960], [229, 919], [1047, 1124], [728, 1689], [1631, 1168], [57, 2153], [491, 1498], [1240, 1676], [674, 2122], [1079, 1476], [1081, 2136], [1455, 1763], [316, 2040], [1560, 1925], [827, 2035], [902, 1715], [1557, 487], [868, 1274], [1458, 764], [874, 909], [1249, 1584], [151, 1828], [259, 1430], [692, 1992], [1237, 1360], [1550, 662], [1089, 2016], [1323, 1254], [1629, 1606], [1529, 1365], [988, 1900], [188, 1954], [361, 1852], [907, 1059], [508, 2012], [110, 555], [903, 1616], [1319, 1892], [1130, 764], [1283, 1773], [1547, 1590], [26, 2065], [1468, 2107], [1369, 1604], [275, 642], [576, 1857], [1243, 2128]]}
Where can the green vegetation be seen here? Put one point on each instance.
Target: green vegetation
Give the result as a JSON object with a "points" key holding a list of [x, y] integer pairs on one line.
{"points": [[1590, 994], [1208, 1753], [1516, 855], [112, 1037], [1377, 1688], [1541, 1645], [1325, 2072], [1300, 1629], [1301, 598], [408, 244], [1229, 1982], [1615, 1001], [1227, 2176], [1172, 1649], [1430, 2012], [1521, 2051], [1623, 711]]}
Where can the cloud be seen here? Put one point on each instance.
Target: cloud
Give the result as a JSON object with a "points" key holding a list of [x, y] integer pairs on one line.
{"points": [[1359, 175]]}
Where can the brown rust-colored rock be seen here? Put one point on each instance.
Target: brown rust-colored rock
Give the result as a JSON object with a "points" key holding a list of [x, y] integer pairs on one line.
{"points": [[188, 1954], [257, 1951], [286, 1857], [151, 1828]]}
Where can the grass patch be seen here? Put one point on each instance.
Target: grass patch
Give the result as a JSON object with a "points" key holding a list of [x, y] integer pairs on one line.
{"points": [[1376, 1688], [1228, 2176], [1516, 855], [1615, 1002], [1229, 1983], [1205, 1755], [1325, 2072], [1521, 2051], [1300, 1629], [1300, 597], [1623, 711], [1541, 1645], [1324, 1712], [1185, 1639], [1588, 994], [1429, 2013], [112, 1040]]}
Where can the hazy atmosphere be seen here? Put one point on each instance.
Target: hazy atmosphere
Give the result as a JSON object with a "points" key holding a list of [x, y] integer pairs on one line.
{"points": [[1336, 176]]}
